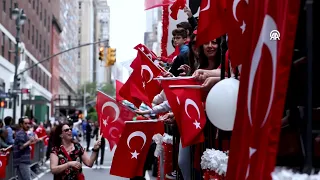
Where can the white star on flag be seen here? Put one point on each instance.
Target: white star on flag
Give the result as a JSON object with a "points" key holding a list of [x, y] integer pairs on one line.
{"points": [[197, 124], [105, 121], [134, 154], [243, 27]]}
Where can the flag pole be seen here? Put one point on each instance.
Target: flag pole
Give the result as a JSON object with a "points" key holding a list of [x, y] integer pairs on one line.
{"points": [[186, 86], [144, 121], [173, 78]]}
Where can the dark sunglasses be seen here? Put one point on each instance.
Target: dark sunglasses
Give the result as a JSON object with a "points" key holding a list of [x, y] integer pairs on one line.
{"points": [[66, 130]]}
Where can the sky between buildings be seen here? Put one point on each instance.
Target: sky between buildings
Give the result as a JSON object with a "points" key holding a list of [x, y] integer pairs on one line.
{"points": [[127, 26]]}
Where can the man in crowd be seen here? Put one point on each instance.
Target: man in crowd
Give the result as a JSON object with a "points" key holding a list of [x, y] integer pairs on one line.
{"points": [[9, 139], [21, 150]]}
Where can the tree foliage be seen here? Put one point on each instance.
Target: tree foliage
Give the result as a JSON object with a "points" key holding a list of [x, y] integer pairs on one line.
{"points": [[92, 87], [91, 93]]}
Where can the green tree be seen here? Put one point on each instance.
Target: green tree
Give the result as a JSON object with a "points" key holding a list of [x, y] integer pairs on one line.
{"points": [[28, 112], [92, 114], [108, 89]]}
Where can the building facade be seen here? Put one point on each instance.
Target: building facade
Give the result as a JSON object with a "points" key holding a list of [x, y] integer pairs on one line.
{"points": [[101, 33], [69, 19], [86, 31], [35, 46]]}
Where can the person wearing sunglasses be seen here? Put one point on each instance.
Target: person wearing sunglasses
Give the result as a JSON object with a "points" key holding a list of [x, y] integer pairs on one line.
{"points": [[66, 156]]}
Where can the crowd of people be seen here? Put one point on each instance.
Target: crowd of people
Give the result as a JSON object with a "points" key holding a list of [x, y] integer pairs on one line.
{"points": [[19, 138], [203, 62]]}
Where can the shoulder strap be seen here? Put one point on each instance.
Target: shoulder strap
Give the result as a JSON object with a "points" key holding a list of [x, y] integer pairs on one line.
{"points": [[65, 153]]}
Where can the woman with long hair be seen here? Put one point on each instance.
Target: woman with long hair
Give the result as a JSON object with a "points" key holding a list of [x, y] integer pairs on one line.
{"points": [[66, 156], [206, 57]]}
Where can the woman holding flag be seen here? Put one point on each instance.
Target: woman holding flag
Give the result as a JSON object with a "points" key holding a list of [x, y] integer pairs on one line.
{"points": [[66, 156]]}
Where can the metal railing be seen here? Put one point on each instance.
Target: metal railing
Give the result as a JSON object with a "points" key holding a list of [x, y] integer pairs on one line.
{"points": [[38, 159]]}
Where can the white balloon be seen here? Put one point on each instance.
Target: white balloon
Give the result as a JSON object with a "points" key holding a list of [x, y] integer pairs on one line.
{"points": [[221, 103]]}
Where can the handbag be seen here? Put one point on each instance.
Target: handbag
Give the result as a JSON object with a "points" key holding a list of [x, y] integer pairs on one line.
{"points": [[80, 176]]}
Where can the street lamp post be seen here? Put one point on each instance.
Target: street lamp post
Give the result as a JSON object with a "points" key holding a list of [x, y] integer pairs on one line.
{"points": [[19, 16]]}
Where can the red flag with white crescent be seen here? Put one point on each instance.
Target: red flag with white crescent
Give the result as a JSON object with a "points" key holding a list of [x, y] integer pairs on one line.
{"points": [[3, 164], [129, 158], [263, 87], [212, 21], [187, 107], [111, 118]]}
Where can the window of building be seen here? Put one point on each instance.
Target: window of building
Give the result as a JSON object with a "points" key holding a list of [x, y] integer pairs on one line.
{"points": [[33, 4], [39, 75], [37, 7], [49, 22], [29, 26], [40, 41], [40, 11], [32, 70], [44, 48], [45, 19], [22, 28], [44, 80], [49, 82], [48, 51], [32, 34], [79, 5], [9, 53], [3, 42], [11, 7], [37, 36], [4, 5]]}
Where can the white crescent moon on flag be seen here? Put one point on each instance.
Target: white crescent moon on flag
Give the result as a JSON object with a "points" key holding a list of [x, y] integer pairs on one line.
{"points": [[114, 106], [137, 134], [192, 103], [178, 100], [147, 68], [207, 7], [111, 130], [234, 8], [264, 39]]}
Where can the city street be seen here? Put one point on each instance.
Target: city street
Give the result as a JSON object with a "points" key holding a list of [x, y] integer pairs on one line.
{"points": [[98, 174]]}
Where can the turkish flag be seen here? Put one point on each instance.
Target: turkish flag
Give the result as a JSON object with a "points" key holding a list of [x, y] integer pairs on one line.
{"points": [[144, 72], [111, 117], [188, 109], [149, 4], [118, 87], [32, 146], [3, 165], [150, 54], [132, 150], [179, 4], [212, 20], [239, 30], [126, 90], [263, 87]]}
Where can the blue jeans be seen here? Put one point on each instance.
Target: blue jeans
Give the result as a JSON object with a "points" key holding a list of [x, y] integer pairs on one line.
{"points": [[184, 162], [23, 171]]}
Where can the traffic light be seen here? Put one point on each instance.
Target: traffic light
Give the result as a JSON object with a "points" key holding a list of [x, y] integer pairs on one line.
{"points": [[101, 54], [3, 104], [111, 56], [18, 81]]}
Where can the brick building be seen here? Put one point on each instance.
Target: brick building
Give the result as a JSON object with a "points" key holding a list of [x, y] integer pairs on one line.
{"points": [[36, 37]]}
